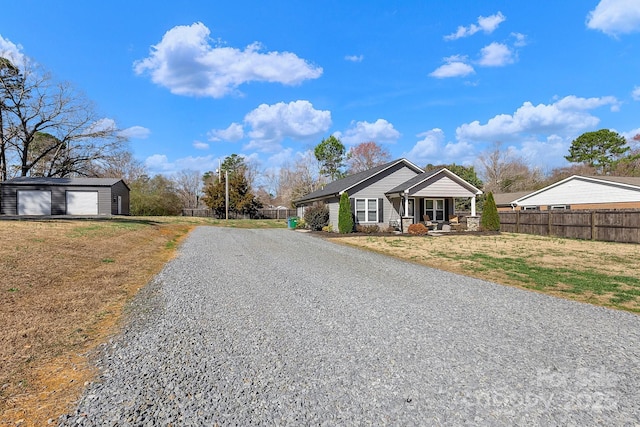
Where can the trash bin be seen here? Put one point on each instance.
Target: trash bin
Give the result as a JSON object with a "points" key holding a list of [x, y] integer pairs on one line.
{"points": [[293, 222]]}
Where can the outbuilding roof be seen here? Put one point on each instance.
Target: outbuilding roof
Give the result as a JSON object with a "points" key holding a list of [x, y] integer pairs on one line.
{"points": [[78, 182]]}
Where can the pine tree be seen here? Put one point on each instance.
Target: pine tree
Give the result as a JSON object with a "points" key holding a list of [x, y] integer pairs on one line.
{"points": [[490, 220], [345, 219]]}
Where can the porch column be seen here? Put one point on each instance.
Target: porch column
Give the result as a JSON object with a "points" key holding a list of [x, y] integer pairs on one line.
{"points": [[406, 204], [473, 205]]}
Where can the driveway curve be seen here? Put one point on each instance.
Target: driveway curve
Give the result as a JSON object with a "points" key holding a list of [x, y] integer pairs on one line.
{"points": [[274, 327]]}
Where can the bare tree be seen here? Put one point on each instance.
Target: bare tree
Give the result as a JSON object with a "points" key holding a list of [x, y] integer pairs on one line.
{"points": [[300, 179], [503, 172], [123, 166], [188, 185], [50, 129], [366, 155]]}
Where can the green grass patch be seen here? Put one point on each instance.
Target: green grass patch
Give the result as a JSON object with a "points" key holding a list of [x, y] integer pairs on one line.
{"points": [[621, 288]]}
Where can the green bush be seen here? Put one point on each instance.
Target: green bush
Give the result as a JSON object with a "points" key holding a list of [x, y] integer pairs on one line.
{"points": [[490, 220], [345, 219], [316, 217]]}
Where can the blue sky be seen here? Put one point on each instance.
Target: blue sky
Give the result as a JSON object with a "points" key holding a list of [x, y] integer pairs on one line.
{"points": [[435, 81]]}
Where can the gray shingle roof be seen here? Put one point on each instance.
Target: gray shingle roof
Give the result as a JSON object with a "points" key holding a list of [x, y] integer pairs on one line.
{"points": [[81, 182], [629, 180], [505, 199], [350, 181]]}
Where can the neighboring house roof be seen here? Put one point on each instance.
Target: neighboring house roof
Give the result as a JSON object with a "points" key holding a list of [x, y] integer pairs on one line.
{"points": [[82, 182], [506, 199], [585, 189], [337, 187], [419, 179]]}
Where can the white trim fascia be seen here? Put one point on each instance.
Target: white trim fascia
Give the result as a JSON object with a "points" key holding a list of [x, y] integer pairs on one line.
{"points": [[452, 176], [572, 177]]}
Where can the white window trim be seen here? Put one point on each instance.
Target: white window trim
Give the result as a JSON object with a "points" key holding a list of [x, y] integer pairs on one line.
{"points": [[559, 207], [366, 211], [432, 212]]}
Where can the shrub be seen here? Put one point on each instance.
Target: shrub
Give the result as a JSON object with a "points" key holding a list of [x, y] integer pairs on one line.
{"points": [[490, 220], [316, 217], [328, 228], [368, 229], [345, 219], [418, 229]]}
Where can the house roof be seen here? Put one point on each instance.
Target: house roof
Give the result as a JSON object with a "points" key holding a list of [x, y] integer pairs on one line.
{"points": [[619, 181], [505, 199], [419, 179], [348, 182], [81, 182]]}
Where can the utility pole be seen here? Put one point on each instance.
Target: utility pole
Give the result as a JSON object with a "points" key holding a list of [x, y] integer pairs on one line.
{"points": [[226, 194]]}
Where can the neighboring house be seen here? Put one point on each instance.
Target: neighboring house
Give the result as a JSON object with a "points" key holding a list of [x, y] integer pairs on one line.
{"points": [[64, 196], [506, 201], [383, 194], [585, 192]]}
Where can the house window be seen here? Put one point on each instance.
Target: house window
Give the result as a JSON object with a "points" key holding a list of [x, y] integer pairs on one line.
{"points": [[559, 207], [530, 208], [435, 209], [367, 210]]}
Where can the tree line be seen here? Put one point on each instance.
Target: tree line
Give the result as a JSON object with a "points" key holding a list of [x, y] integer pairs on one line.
{"points": [[50, 129]]}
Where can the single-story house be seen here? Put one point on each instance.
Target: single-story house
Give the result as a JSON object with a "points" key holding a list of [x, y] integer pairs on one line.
{"points": [[398, 189], [38, 196], [584, 192]]}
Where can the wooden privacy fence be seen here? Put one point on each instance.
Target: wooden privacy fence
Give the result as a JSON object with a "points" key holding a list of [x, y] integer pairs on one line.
{"points": [[609, 226], [262, 213]]}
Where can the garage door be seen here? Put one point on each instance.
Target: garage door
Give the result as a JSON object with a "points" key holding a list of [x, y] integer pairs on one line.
{"points": [[34, 202], [82, 203]]}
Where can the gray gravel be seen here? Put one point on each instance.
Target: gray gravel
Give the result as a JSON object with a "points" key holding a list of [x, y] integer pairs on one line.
{"points": [[274, 327]]}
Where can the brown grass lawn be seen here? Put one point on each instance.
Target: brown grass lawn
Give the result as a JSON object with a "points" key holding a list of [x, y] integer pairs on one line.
{"points": [[599, 273], [64, 284]]}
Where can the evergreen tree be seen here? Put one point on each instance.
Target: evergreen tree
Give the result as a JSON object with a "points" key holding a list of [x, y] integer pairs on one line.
{"points": [[490, 220], [345, 219], [331, 153], [602, 149]]}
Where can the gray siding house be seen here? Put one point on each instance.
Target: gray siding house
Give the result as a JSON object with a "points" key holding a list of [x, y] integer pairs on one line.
{"points": [[64, 196], [398, 189]]}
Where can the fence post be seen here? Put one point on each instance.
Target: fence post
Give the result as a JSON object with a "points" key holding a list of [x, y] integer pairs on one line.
{"points": [[518, 221], [549, 222], [593, 225]]}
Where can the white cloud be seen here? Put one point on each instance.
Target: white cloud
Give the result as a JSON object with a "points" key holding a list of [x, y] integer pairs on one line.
{"points": [[235, 132], [427, 147], [160, 164], [271, 124], [614, 17], [487, 24], [12, 52], [455, 66], [566, 117], [495, 55], [103, 125], [379, 131], [186, 63], [135, 132], [636, 93], [432, 149], [520, 39], [354, 58], [199, 145]]}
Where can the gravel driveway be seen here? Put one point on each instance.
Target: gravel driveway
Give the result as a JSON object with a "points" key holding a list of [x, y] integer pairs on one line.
{"points": [[274, 327]]}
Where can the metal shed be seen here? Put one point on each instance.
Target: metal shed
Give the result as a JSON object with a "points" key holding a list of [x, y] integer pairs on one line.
{"points": [[36, 196]]}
